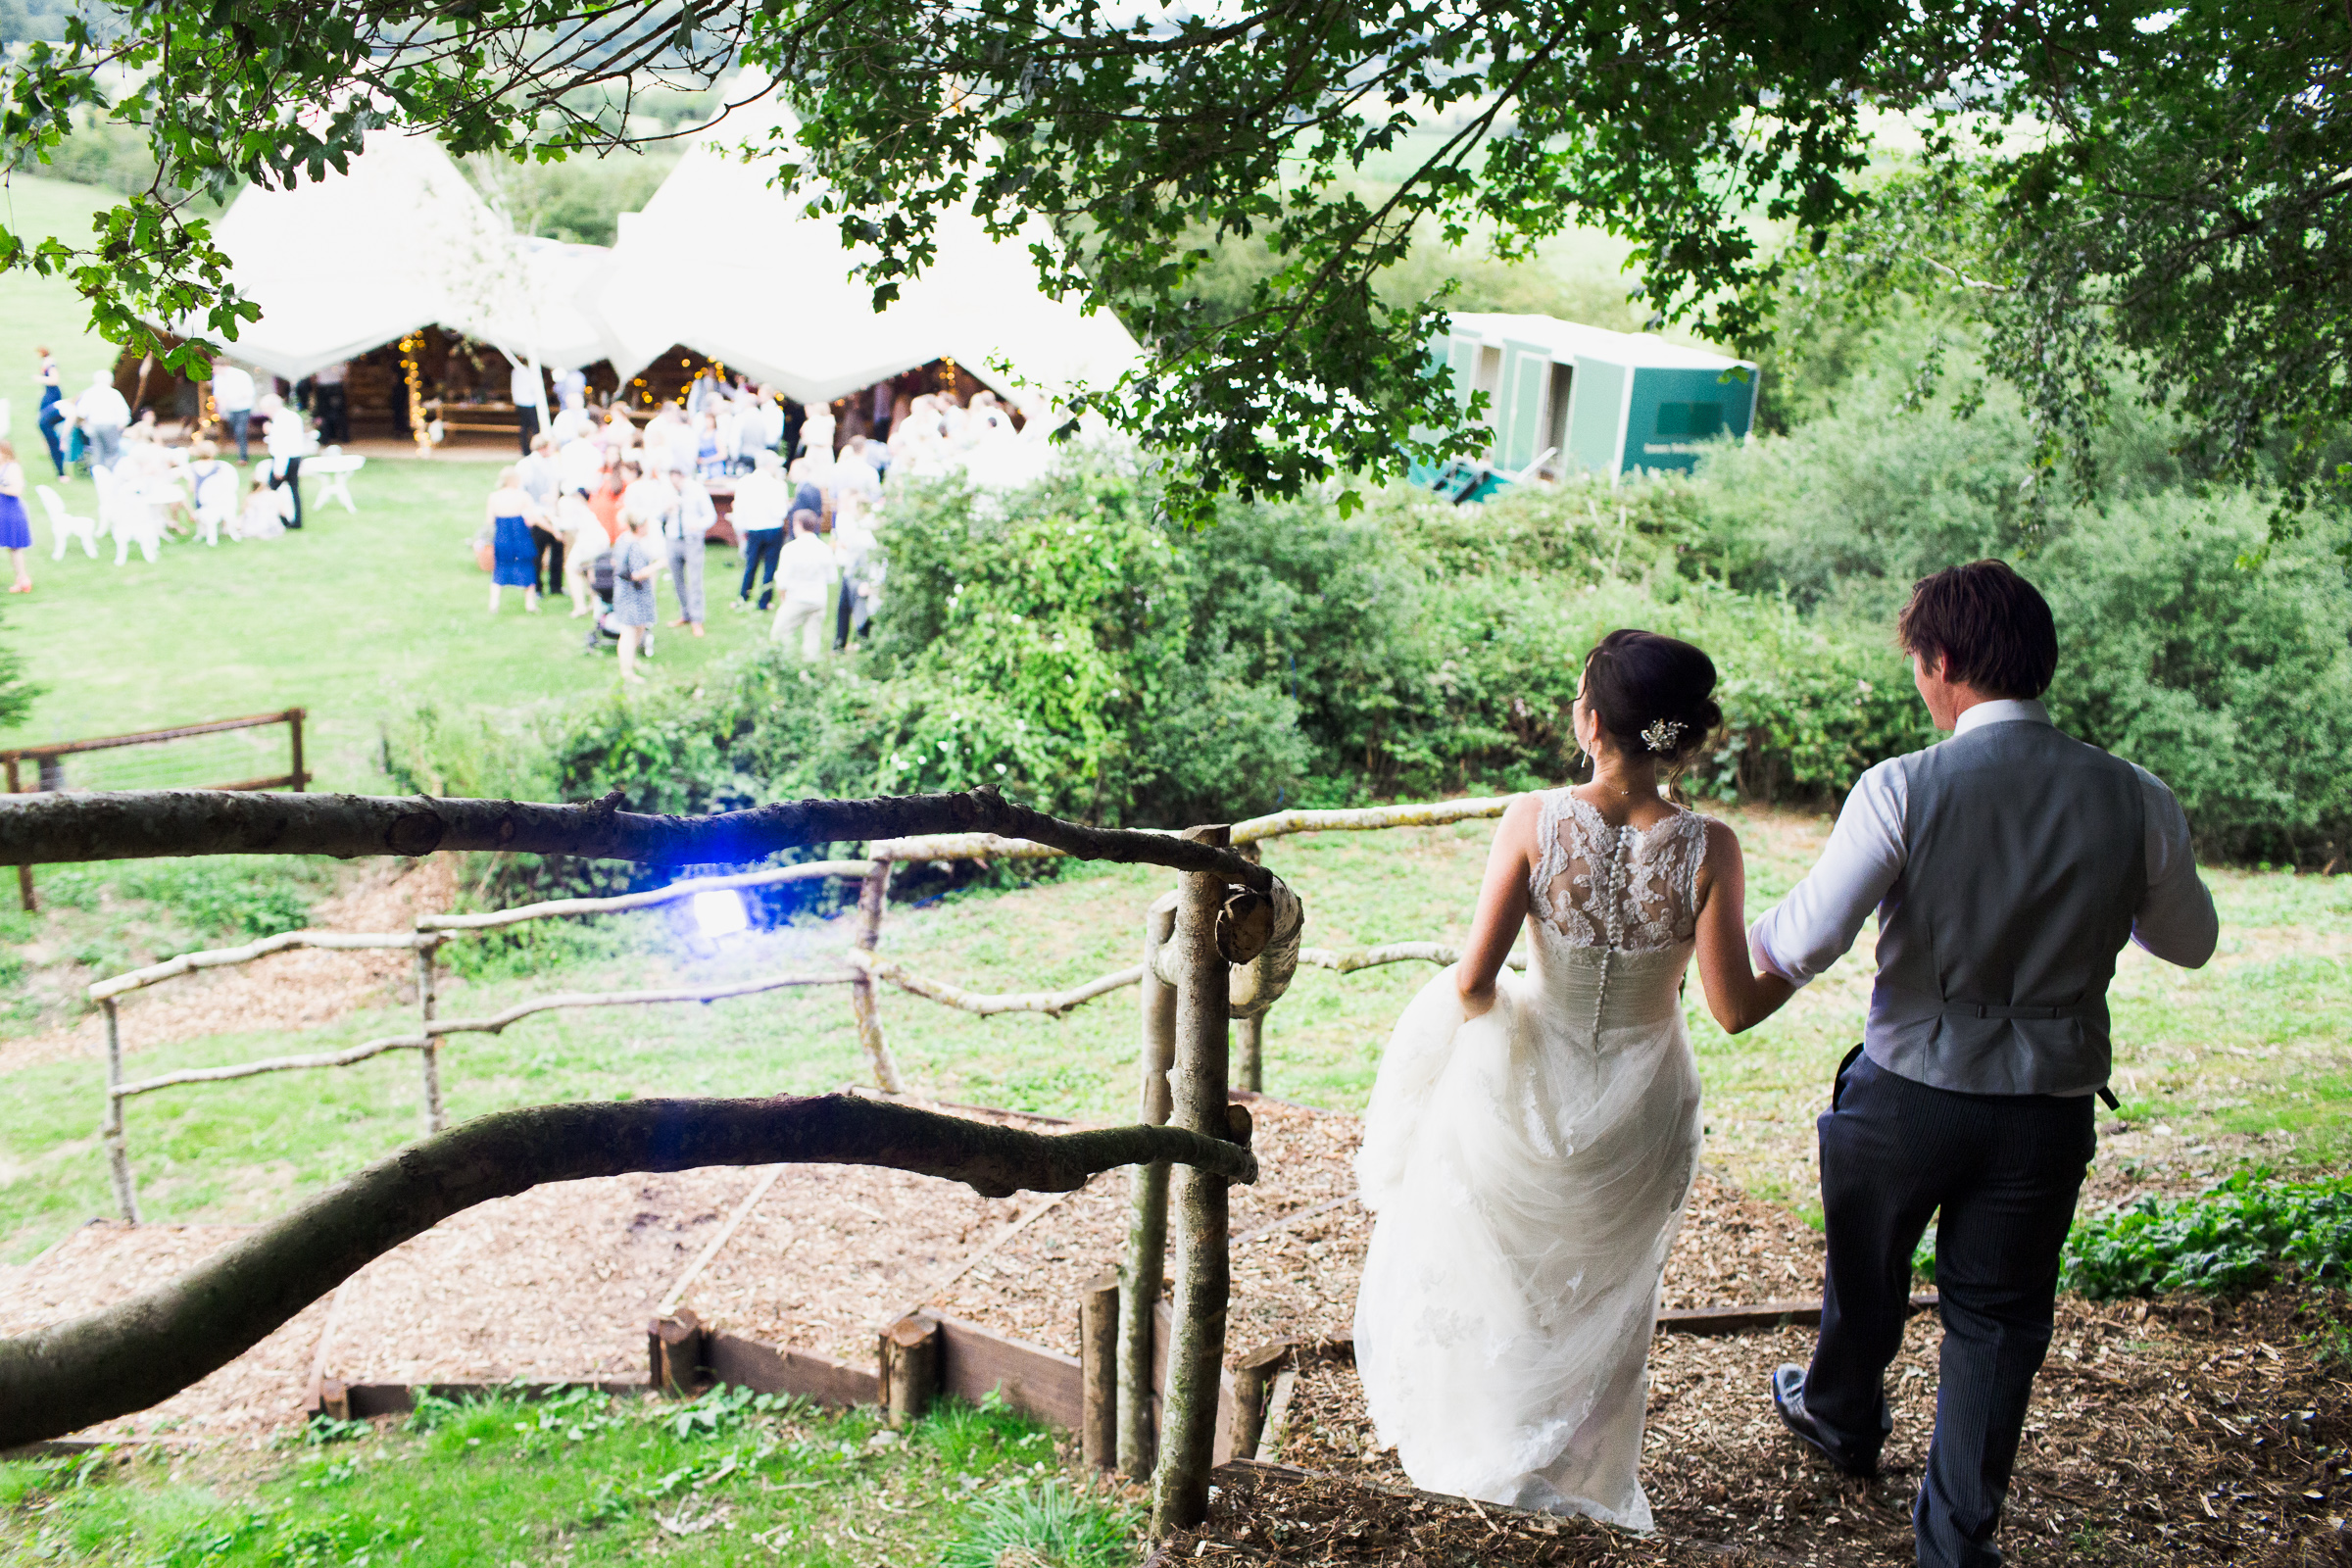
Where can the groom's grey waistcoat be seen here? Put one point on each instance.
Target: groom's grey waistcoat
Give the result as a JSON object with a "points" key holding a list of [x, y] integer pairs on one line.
{"points": [[2025, 860]]}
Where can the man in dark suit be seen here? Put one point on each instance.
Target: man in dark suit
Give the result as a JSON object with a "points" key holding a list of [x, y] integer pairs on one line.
{"points": [[2008, 866]]}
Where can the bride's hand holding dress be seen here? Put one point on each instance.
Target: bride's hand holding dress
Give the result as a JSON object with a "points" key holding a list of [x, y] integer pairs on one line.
{"points": [[1529, 1147]]}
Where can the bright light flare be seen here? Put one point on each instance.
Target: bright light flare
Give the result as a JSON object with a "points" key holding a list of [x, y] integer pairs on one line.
{"points": [[720, 913]]}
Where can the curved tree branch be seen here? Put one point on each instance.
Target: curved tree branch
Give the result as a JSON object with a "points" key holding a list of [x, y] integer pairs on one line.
{"points": [[142, 824], [126, 1358]]}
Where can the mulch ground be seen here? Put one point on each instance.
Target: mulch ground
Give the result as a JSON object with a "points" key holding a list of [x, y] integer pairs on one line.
{"points": [[2169, 1433], [2183, 1433]]}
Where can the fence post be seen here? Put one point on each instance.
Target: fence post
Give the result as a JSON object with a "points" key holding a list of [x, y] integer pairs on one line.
{"points": [[24, 873], [1099, 1371], [862, 1001], [294, 717], [1143, 1271], [428, 949], [1204, 1270], [109, 1131], [1249, 1034]]}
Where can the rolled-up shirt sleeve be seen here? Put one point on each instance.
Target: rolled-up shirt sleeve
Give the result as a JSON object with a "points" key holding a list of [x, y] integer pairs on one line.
{"points": [[1814, 925], [2175, 920]]}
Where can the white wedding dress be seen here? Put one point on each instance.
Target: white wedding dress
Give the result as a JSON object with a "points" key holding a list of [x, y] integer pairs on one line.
{"points": [[1528, 1169]]}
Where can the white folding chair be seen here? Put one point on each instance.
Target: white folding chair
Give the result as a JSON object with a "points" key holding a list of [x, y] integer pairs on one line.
{"points": [[67, 525]]}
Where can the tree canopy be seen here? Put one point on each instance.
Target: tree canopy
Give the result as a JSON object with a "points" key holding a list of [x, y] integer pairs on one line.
{"points": [[2152, 187]]}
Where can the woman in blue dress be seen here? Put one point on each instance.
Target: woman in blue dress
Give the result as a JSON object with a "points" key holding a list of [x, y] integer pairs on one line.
{"points": [[16, 533], [51, 380], [513, 553]]}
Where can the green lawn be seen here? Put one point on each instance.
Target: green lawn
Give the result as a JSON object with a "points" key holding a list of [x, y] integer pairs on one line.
{"points": [[582, 1480], [358, 617]]}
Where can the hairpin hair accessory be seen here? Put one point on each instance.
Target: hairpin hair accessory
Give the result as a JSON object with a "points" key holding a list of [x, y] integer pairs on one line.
{"points": [[1662, 734]]}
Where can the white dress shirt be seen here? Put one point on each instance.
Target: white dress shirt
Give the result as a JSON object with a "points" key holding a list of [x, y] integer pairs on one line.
{"points": [[652, 500], [232, 389], [762, 500], [806, 570], [1817, 922], [102, 408]]}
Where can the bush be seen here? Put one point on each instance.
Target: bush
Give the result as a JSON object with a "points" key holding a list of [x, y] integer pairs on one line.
{"points": [[2225, 671], [2227, 1241]]}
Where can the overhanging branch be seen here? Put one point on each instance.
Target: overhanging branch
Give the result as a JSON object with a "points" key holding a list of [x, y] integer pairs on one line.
{"points": [[143, 824], [111, 1363]]}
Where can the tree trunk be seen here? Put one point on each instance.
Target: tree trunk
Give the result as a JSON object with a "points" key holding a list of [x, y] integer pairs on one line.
{"points": [[126, 1358], [1203, 1281], [1143, 1275], [142, 824]]}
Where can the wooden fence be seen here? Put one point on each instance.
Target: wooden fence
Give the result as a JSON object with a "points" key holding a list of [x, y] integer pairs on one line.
{"points": [[49, 768]]}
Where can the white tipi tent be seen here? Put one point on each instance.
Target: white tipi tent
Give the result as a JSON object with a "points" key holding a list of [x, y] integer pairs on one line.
{"points": [[346, 262], [722, 263]]}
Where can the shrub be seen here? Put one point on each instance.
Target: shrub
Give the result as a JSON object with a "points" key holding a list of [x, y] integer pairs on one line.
{"points": [[2227, 1241], [2224, 669]]}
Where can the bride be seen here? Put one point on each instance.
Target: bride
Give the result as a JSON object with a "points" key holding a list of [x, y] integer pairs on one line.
{"points": [[1531, 1140]]}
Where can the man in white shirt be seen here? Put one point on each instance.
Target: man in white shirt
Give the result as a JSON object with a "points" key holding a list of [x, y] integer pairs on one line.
{"points": [[287, 444], [530, 396], [578, 461], [2008, 866], [232, 399], [539, 475], [806, 572], [103, 415], [646, 494], [571, 389], [762, 499]]}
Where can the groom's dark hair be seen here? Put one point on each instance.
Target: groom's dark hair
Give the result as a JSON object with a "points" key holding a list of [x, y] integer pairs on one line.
{"points": [[1991, 628]]}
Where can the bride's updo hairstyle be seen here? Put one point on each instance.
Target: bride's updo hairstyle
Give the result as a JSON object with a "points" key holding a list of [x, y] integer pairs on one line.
{"points": [[1654, 696]]}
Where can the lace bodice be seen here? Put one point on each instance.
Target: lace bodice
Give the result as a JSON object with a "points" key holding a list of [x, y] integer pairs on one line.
{"points": [[1622, 889]]}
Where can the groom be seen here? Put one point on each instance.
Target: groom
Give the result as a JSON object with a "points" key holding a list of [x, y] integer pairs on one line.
{"points": [[2008, 866]]}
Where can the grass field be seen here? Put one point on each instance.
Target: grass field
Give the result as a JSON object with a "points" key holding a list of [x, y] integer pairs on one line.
{"points": [[355, 617]]}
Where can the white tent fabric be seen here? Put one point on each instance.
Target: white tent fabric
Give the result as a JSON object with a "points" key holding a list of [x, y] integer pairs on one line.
{"points": [[726, 265], [346, 262]]}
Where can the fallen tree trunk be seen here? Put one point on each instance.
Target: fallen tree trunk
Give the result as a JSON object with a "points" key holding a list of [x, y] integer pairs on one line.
{"points": [[140, 824], [127, 1357]]}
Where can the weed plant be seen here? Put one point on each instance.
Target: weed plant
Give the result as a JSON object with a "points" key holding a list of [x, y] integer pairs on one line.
{"points": [[2235, 1238]]}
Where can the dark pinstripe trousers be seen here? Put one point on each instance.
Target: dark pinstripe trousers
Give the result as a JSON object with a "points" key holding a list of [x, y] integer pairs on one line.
{"points": [[2004, 1170]]}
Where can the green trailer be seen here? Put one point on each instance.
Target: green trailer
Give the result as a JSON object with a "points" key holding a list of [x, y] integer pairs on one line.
{"points": [[1563, 398]]}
